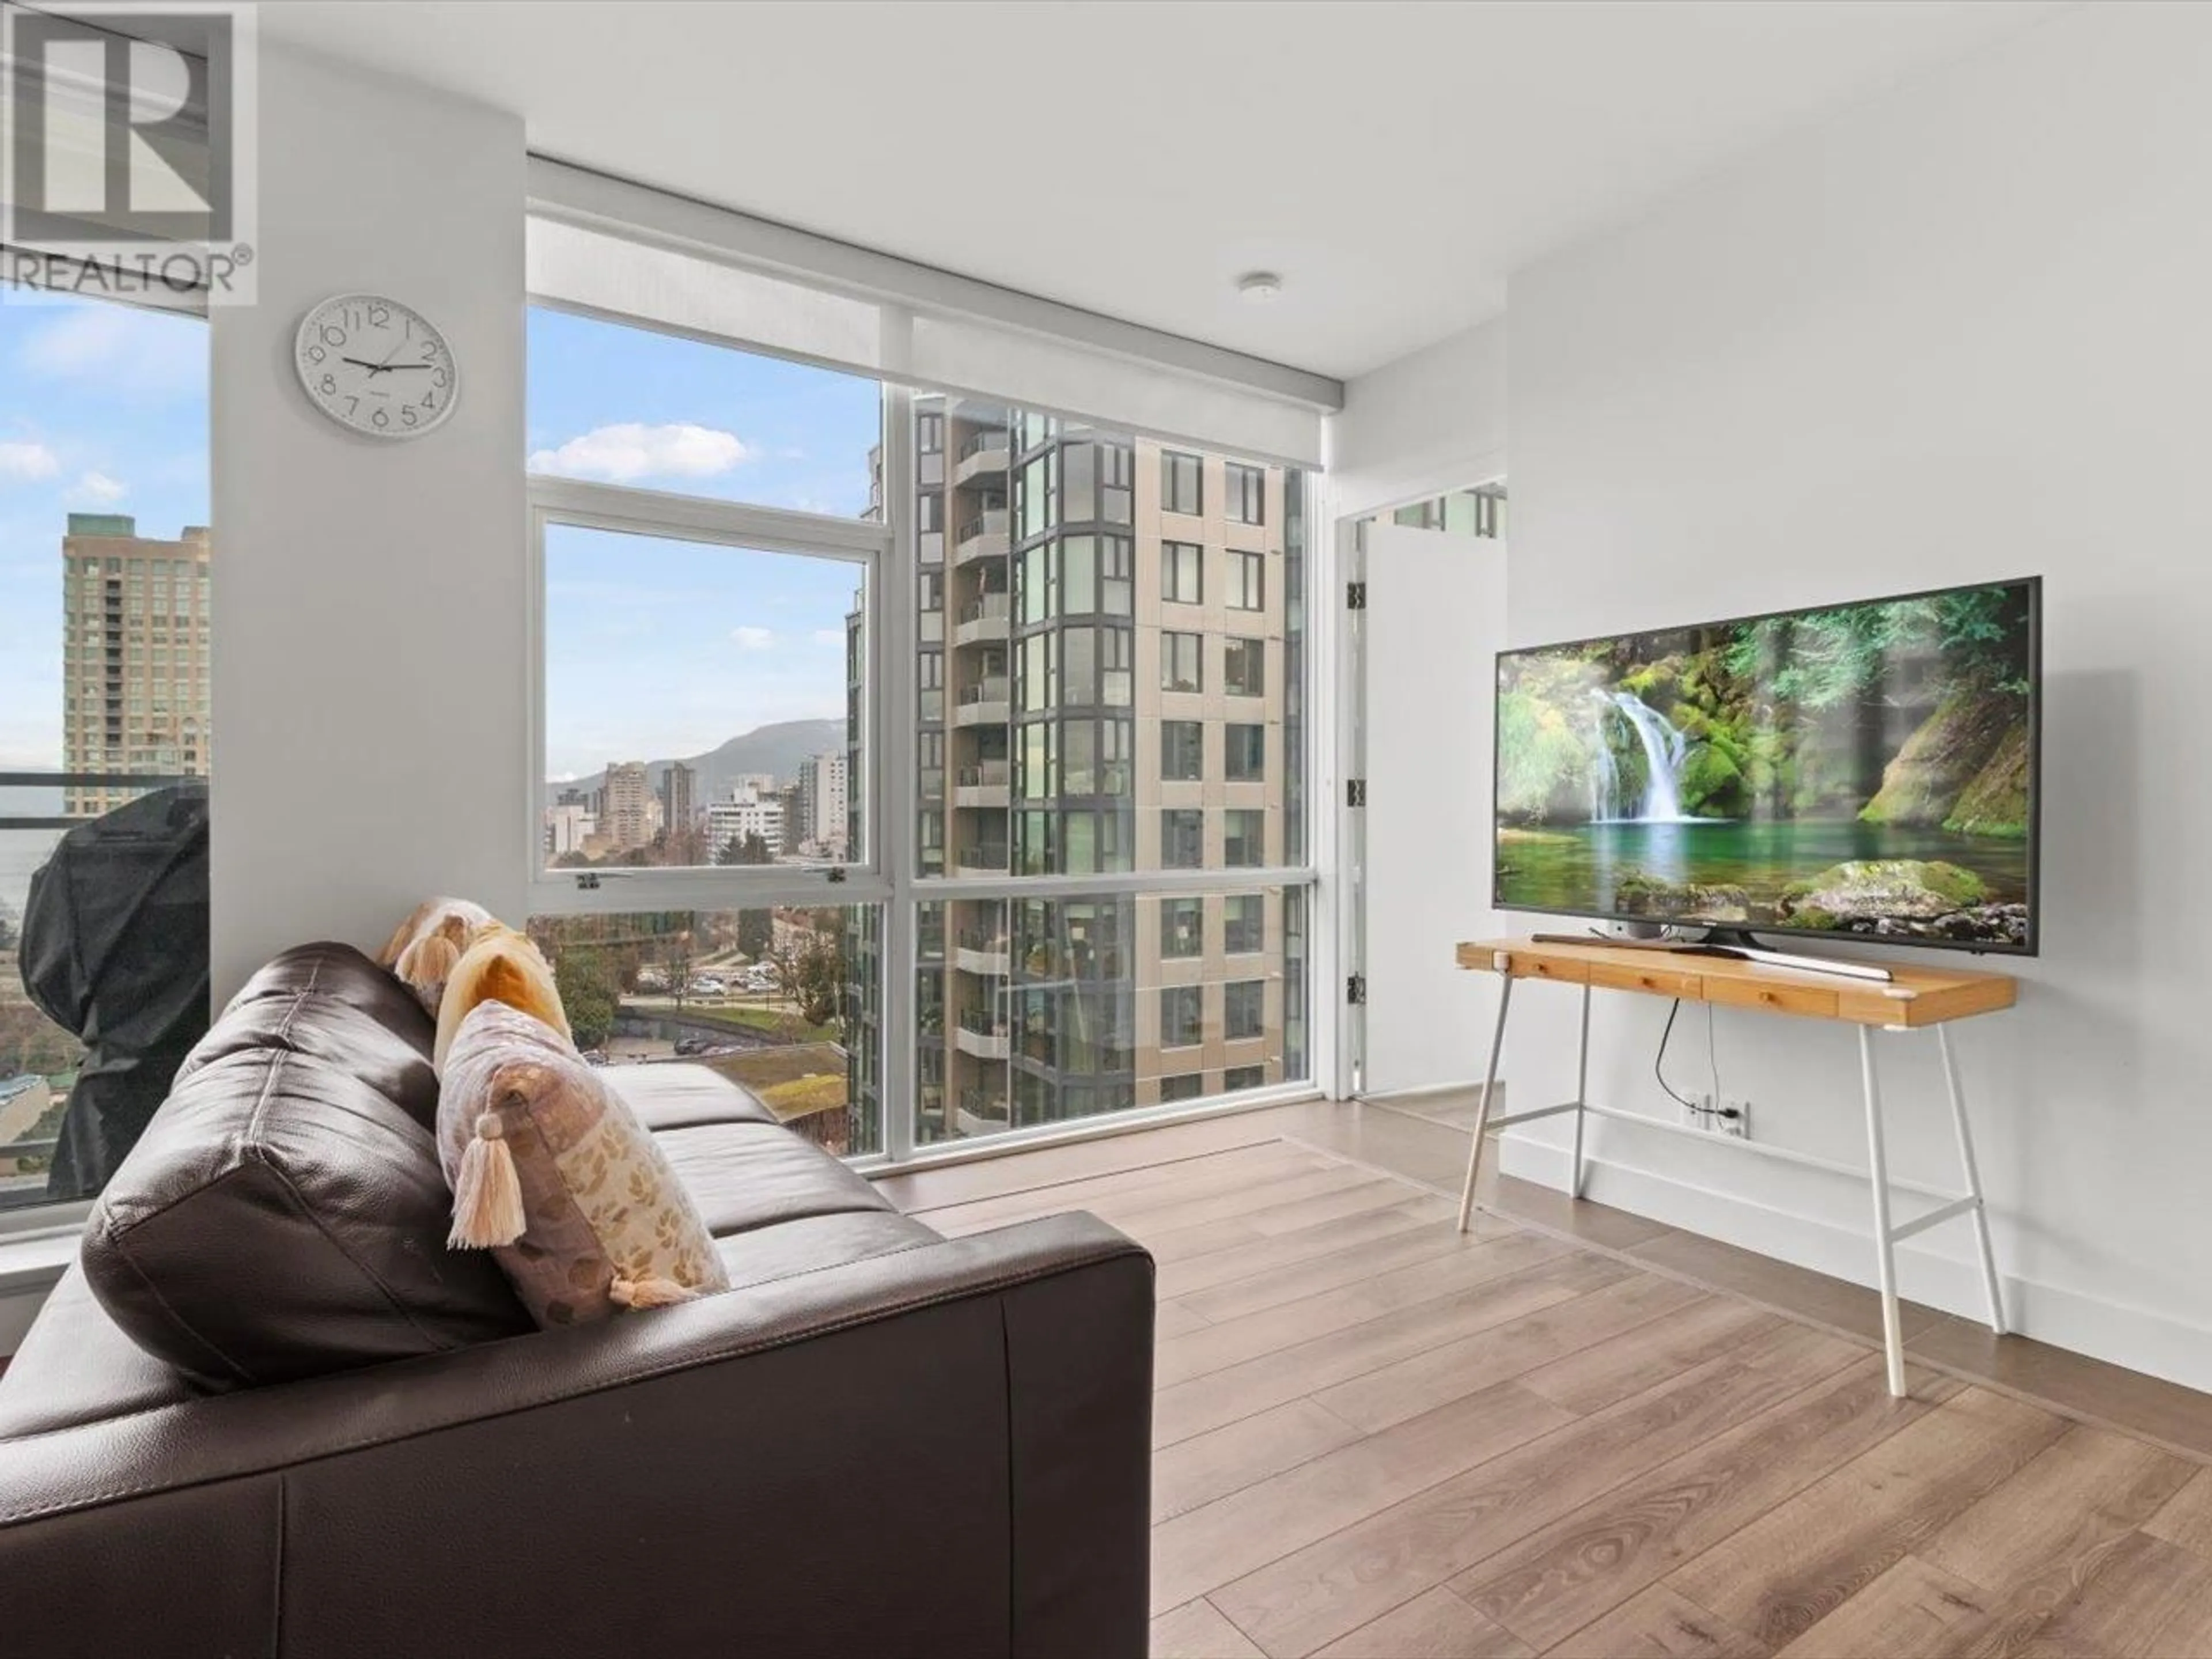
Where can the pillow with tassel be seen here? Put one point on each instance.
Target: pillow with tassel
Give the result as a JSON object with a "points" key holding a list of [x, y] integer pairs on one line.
{"points": [[504, 966], [420, 954], [554, 1173]]}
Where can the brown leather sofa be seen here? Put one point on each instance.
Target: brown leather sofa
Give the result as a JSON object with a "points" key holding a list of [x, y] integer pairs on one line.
{"points": [[879, 1442]]}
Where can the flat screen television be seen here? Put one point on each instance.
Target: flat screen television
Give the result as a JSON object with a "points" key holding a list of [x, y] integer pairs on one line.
{"points": [[1869, 770]]}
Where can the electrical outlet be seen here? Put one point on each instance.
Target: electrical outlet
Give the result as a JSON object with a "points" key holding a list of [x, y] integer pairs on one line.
{"points": [[1732, 1118]]}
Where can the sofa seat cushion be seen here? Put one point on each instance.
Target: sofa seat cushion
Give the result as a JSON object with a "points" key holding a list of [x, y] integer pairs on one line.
{"points": [[814, 1242], [77, 1365], [744, 1176], [678, 1095], [280, 1217]]}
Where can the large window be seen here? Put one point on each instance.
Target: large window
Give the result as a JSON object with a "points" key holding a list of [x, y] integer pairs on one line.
{"points": [[1248, 493], [1182, 750], [1182, 662], [106, 739], [1183, 572], [1182, 484], [1033, 928]]}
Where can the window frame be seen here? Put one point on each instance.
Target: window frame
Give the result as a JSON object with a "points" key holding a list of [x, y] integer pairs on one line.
{"points": [[624, 509], [894, 878]]}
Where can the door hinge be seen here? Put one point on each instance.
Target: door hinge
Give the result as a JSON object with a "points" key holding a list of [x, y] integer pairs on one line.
{"points": [[1355, 792], [1355, 990], [1355, 596]]}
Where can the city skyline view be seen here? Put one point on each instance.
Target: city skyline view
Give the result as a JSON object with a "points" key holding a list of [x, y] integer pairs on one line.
{"points": [[663, 648]]}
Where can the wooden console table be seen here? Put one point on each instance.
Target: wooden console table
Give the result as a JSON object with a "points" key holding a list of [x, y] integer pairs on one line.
{"points": [[1914, 998]]}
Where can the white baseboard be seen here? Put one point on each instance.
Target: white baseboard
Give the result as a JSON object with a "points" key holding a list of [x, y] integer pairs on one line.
{"points": [[2140, 1339]]}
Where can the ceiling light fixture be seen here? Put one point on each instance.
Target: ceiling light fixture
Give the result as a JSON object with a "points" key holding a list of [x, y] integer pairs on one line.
{"points": [[1259, 285]]}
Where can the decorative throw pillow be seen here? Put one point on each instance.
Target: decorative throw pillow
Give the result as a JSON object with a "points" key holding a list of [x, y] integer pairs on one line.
{"points": [[421, 953], [557, 1176], [503, 966]]}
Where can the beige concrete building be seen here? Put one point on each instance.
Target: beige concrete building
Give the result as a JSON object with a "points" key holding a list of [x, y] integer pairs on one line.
{"points": [[135, 628], [1106, 642], [627, 806]]}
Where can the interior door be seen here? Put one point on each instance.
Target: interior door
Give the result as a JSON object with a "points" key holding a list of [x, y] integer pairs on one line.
{"points": [[1434, 622]]}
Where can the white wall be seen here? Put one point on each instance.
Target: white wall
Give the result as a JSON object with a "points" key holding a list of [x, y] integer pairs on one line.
{"points": [[369, 677], [1960, 333], [1428, 423], [1435, 620]]}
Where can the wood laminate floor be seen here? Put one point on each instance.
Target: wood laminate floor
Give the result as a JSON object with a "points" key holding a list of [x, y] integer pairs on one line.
{"points": [[1565, 1432]]}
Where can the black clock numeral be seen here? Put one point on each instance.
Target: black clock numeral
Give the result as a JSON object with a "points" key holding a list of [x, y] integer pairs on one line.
{"points": [[329, 385], [380, 316], [381, 418], [352, 404], [429, 351], [407, 416], [429, 400], [438, 378], [333, 335], [316, 354]]}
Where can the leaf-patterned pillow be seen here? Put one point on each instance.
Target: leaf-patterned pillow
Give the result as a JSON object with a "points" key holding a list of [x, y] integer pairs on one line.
{"points": [[559, 1179]]}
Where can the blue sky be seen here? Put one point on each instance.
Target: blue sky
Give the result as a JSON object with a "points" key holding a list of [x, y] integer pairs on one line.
{"points": [[663, 649], [105, 410], [655, 650]]}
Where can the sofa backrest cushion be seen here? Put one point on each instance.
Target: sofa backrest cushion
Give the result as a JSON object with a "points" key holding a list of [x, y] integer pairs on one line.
{"points": [[331, 1003], [283, 1217]]}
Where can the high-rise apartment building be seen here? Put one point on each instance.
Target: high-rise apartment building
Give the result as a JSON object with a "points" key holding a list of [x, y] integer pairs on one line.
{"points": [[679, 813], [822, 805], [627, 806], [1111, 637], [134, 627]]}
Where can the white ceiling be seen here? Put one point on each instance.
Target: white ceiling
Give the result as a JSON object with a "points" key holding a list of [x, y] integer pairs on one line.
{"points": [[1394, 161]]}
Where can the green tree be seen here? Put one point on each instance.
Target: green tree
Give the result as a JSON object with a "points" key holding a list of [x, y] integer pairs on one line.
{"points": [[588, 994], [756, 933]]}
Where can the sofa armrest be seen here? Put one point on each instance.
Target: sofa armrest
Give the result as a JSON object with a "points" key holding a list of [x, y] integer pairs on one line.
{"points": [[943, 1449]]}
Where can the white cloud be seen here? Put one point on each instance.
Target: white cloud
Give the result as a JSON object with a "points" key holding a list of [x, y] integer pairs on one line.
{"points": [[629, 451], [98, 489], [753, 638], [829, 636], [27, 461]]}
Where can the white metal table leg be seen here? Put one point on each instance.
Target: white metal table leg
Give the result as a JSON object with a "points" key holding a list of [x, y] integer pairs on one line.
{"points": [[1885, 1247], [1973, 1181], [1482, 1110], [1582, 1090]]}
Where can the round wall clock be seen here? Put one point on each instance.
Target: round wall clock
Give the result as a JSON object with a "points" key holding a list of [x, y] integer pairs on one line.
{"points": [[376, 367]]}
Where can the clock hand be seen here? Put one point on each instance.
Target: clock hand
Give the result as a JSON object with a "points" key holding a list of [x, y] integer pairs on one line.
{"points": [[361, 362]]}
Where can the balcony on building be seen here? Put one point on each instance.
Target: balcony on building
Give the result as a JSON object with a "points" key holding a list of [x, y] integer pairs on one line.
{"points": [[983, 951], [983, 621], [983, 703], [983, 457], [984, 784], [982, 1034], [989, 857], [982, 1112], [984, 536]]}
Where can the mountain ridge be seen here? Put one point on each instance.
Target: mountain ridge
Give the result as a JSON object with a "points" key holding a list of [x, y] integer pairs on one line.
{"points": [[777, 750]]}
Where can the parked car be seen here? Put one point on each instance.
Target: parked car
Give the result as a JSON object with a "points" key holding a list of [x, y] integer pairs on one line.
{"points": [[693, 1045], [706, 985]]}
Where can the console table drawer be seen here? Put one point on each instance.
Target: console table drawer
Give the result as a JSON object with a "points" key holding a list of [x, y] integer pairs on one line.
{"points": [[1657, 982], [1528, 964], [1779, 997]]}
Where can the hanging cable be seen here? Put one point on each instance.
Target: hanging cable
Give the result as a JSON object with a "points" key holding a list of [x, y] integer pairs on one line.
{"points": [[1659, 1062]]}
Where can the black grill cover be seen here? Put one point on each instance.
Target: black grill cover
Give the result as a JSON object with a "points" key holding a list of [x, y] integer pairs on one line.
{"points": [[115, 949]]}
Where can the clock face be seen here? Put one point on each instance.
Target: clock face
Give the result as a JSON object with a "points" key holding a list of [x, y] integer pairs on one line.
{"points": [[376, 367]]}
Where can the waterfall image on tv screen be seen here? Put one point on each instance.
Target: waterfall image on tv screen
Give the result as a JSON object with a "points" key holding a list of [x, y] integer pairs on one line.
{"points": [[1867, 769]]}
